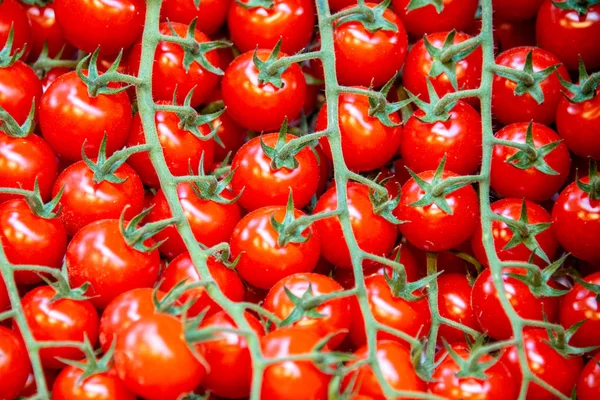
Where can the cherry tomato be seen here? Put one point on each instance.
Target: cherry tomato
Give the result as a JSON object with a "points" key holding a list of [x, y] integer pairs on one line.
{"points": [[102, 386], [45, 30], [30, 388], [456, 14], [13, 14], [578, 305], [20, 89], [52, 75], [210, 14], [578, 123], [516, 10], [4, 300], [14, 365], [588, 385], [454, 303], [514, 34], [232, 135]]}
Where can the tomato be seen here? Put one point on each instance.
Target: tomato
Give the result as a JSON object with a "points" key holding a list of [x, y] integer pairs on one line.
{"points": [[169, 73], [364, 58], [30, 239], [228, 356], [232, 135], [210, 14], [182, 268], [588, 385], [30, 388], [4, 300], [516, 10], [102, 386], [19, 88], [429, 227], [367, 143], [489, 312], [263, 261], [395, 362], [154, 361], [211, 222], [291, 21], [514, 34], [578, 305], [410, 317], [13, 14], [499, 383], [292, 380], [578, 123], [58, 320], [261, 106], [456, 14], [507, 107], [419, 63], [373, 233], [546, 363], [24, 160], [52, 75], [45, 30], [69, 117], [181, 148], [454, 303], [14, 365], [335, 313], [424, 145], [531, 183], [574, 31], [502, 234]]}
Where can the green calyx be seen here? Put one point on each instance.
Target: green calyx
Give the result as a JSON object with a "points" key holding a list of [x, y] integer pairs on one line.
{"points": [[6, 58], [436, 110], [399, 285], [36, 204], [104, 169], [533, 157], [98, 83], [585, 89], [281, 158], [61, 286], [10, 127], [209, 187], [190, 120], [581, 6], [372, 18], [300, 311], [592, 188], [289, 230], [250, 4], [270, 70], [538, 279], [379, 107], [470, 367], [416, 4], [91, 366], [383, 204], [135, 236]]}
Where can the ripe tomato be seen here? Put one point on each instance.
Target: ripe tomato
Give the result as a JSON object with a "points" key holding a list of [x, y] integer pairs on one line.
{"points": [[14, 364], [588, 385], [513, 34], [69, 117], [424, 145], [263, 262], [4, 300], [292, 380], [367, 143], [12, 14], [19, 88], [456, 14], [335, 313], [102, 386], [454, 303], [182, 268], [373, 233], [531, 183], [516, 10], [52, 75], [211, 222], [291, 21], [232, 135], [578, 123], [57, 320], [181, 148], [502, 234], [45, 30], [228, 356], [157, 372], [169, 73], [260, 185], [364, 58], [508, 107], [261, 106], [210, 15], [546, 363], [578, 305], [489, 312], [30, 239]]}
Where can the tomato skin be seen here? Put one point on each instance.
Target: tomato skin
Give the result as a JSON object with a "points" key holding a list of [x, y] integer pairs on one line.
{"points": [[212, 223], [168, 72], [457, 14], [29, 239], [531, 184], [13, 14], [182, 268], [261, 107], [19, 89], [509, 34], [210, 15], [292, 21], [578, 305], [424, 145], [509, 108], [181, 148], [382, 53], [14, 365], [578, 123], [574, 31], [374, 234], [292, 380], [516, 10], [228, 356], [102, 386], [367, 144], [588, 385], [262, 186], [4, 300], [45, 29], [546, 363], [30, 388], [489, 312], [454, 303], [263, 262], [58, 320], [511, 208], [419, 61], [157, 372]]}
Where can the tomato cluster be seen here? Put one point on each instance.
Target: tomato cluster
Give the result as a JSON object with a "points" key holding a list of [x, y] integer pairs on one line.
{"points": [[213, 199]]}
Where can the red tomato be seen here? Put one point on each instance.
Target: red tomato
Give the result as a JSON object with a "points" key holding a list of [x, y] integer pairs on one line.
{"points": [[578, 123], [182, 268], [531, 183], [4, 300], [232, 135], [30, 388], [154, 361], [19, 88], [454, 303], [45, 30], [13, 14], [364, 58], [263, 262], [588, 385], [291, 21], [456, 14], [30, 239], [509, 108], [546, 363], [169, 73], [367, 143], [57, 320], [102, 386], [261, 106], [502, 234], [14, 365], [516, 10], [52, 75], [514, 34], [210, 14], [489, 312], [373, 233], [211, 222], [578, 305]]}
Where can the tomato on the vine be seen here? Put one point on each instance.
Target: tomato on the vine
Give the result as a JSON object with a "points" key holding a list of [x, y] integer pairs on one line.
{"points": [[588, 385], [209, 14], [20, 90], [45, 30], [14, 365], [454, 303], [13, 15], [577, 124], [101, 386]]}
